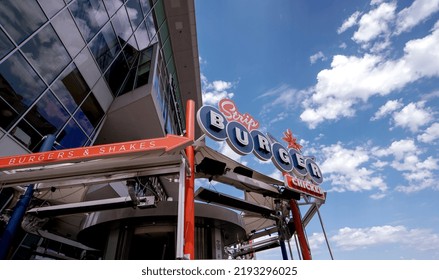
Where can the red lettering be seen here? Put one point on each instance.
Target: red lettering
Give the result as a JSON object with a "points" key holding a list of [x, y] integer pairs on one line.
{"points": [[228, 108]]}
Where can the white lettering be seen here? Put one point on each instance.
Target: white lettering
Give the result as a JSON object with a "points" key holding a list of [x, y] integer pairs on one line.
{"points": [[216, 121], [241, 136]]}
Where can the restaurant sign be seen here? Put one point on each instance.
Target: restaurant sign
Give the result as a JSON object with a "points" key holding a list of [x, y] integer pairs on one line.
{"points": [[240, 131]]}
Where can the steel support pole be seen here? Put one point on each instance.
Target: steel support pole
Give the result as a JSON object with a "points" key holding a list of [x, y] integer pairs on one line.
{"points": [[21, 207], [297, 219], [189, 211], [179, 254], [283, 249]]}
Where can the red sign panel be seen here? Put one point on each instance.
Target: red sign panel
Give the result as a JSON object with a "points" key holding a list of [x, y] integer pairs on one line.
{"points": [[168, 143], [304, 186]]}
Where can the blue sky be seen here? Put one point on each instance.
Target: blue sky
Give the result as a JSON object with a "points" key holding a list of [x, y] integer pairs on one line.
{"points": [[358, 83]]}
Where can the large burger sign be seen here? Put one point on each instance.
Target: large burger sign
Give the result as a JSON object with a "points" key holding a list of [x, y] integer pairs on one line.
{"points": [[241, 133]]}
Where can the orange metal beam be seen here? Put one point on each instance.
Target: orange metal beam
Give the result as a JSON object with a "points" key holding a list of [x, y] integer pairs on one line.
{"points": [[189, 209], [297, 219]]}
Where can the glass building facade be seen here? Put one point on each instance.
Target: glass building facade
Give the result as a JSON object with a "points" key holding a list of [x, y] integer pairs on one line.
{"points": [[63, 66], [66, 67]]}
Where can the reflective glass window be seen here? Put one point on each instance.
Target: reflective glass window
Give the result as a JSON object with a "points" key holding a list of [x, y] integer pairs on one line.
{"points": [[134, 12], [117, 73], [20, 84], [5, 44], [51, 7], [27, 135], [90, 15], [113, 5], [145, 6], [68, 33], [21, 18], [105, 47], [122, 27], [47, 116], [152, 31], [129, 82], [46, 53], [142, 37], [144, 67], [7, 115], [71, 88], [90, 114], [72, 136]]}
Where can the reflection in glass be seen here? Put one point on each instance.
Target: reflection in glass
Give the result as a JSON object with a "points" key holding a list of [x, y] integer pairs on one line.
{"points": [[46, 53], [145, 6], [90, 114], [144, 67], [113, 5], [71, 88], [151, 29], [67, 31], [72, 136], [122, 27], [19, 83], [142, 37], [12, 14], [7, 115], [105, 47], [117, 74], [27, 135], [47, 116], [51, 7], [134, 12], [90, 15], [5, 44]]}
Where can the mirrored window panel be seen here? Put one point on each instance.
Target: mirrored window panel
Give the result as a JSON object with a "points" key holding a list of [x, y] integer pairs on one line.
{"points": [[48, 115], [113, 5], [105, 47], [7, 115], [134, 12], [71, 136], [123, 28], [21, 18], [142, 36], [51, 7], [5, 44], [27, 135], [144, 67], [20, 84], [71, 88], [90, 16], [90, 114], [46, 53], [65, 27], [117, 74]]}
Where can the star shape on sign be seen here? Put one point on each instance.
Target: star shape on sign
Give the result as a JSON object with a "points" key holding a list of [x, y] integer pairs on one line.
{"points": [[291, 140]]}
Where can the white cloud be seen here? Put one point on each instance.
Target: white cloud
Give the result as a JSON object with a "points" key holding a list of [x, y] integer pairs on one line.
{"points": [[413, 116], [284, 97], [375, 23], [386, 109], [419, 11], [352, 79], [351, 21], [346, 170], [313, 58], [420, 174], [213, 92], [360, 238], [430, 134]]}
